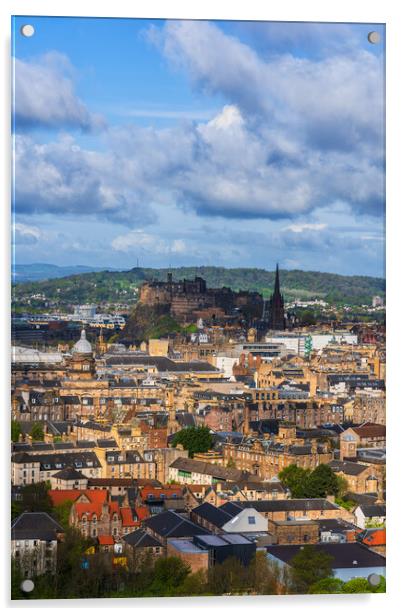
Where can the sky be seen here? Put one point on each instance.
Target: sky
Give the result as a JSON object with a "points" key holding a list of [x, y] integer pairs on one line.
{"points": [[184, 143]]}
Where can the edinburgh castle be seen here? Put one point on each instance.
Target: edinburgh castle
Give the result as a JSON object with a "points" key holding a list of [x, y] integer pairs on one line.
{"points": [[187, 300]]}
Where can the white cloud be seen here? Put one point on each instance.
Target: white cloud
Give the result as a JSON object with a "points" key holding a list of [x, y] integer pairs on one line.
{"points": [[26, 234], [44, 95], [334, 102], [137, 242], [300, 228]]}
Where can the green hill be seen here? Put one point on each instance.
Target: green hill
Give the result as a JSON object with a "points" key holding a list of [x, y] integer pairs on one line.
{"points": [[114, 286]]}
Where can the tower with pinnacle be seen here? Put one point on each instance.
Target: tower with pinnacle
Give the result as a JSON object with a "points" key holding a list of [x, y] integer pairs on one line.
{"points": [[276, 307]]}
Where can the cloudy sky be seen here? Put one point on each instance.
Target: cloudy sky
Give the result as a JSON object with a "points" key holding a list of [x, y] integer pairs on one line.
{"points": [[199, 143]]}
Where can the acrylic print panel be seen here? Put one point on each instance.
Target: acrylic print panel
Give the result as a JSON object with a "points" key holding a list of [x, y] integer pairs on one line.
{"points": [[198, 308]]}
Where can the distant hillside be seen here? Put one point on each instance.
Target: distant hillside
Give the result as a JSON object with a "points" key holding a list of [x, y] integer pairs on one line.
{"points": [[46, 271], [114, 286]]}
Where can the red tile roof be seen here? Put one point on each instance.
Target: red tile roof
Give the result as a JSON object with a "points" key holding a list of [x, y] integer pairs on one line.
{"points": [[127, 517], [142, 512], [88, 509], [374, 537], [61, 496], [105, 540], [167, 491]]}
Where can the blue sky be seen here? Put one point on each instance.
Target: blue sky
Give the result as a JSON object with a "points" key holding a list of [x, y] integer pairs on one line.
{"points": [[237, 144]]}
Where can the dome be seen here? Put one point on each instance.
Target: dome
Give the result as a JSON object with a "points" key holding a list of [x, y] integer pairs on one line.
{"points": [[82, 346]]}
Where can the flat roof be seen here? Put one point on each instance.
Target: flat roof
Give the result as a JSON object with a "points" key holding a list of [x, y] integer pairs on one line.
{"points": [[184, 545], [212, 540], [236, 539]]}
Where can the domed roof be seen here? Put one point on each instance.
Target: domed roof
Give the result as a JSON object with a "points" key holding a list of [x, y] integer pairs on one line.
{"points": [[82, 346]]}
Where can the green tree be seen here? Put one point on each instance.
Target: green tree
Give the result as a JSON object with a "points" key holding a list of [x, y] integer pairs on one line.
{"points": [[358, 585], [342, 487], [62, 513], [321, 482], [169, 574], [195, 584], [295, 478], [307, 317], [15, 431], [231, 463], [230, 577], [37, 432], [35, 497], [310, 565], [304, 483], [266, 575], [327, 586], [194, 439]]}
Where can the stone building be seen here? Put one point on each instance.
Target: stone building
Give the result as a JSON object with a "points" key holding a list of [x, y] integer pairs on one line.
{"points": [[290, 532], [362, 479], [188, 300], [94, 514], [34, 540], [369, 406], [267, 458]]}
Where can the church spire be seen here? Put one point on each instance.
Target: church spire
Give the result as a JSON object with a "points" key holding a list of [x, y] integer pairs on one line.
{"points": [[277, 288], [276, 306]]}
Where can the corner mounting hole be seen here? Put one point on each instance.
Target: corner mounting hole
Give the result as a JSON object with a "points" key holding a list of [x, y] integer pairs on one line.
{"points": [[27, 30], [373, 37]]}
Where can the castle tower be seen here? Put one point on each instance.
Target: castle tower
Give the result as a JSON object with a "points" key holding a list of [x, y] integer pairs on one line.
{"points": [[276, 307]]}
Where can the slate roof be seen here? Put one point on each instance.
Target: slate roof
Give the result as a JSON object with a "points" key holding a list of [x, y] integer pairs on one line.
{"points": [[81, 459], [335, 525], [85, 444], [370, 430], [69, 473], [231, 508], [361, 499], [35, 525], [206, 468], [214, 515], [162, 364], [100, 481], [105, 443], [345, 555], [291, 504], [141, 539], [171, 524], [349, 468], [373, 511]]}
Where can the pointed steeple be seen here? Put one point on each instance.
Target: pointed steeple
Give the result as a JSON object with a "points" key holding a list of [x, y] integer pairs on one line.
{"points": [[276, 307], [277, 288]]}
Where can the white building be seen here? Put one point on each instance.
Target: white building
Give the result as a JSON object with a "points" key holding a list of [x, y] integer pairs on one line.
{"points": [[295, 343], [247, 521], [34, 539]]}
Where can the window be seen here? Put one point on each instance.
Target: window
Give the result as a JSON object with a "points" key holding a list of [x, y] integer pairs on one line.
{"points": [[251, 519]]}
